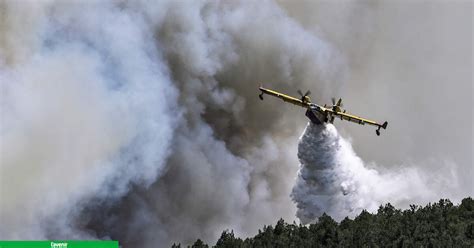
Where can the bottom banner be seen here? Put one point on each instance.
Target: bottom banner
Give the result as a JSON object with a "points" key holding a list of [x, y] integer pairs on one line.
{"points": [[60, 244]]}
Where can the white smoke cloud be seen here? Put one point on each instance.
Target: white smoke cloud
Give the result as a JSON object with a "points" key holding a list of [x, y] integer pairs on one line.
{"points": [[85, 112], [91, 118], [139, 121], [334, 180]]}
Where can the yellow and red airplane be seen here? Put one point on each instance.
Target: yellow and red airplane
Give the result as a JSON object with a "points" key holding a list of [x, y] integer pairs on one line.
{"points": [[322, 114]]}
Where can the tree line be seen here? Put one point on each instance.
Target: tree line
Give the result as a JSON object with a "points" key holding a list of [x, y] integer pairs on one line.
{"points": [[440, 224]]}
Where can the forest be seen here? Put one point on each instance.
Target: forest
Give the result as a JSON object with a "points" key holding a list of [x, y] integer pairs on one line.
{"points": [[440, 224]]}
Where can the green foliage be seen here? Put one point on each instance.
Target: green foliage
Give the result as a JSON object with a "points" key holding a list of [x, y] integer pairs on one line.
{"points": [[228, 240], [440, 224], [199, 244]]}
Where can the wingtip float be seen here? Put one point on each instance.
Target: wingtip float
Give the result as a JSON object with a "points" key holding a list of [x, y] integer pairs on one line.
{"points": [[322, 114]]}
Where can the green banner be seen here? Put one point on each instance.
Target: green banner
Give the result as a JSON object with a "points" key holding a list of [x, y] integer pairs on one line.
{"points": [[59, 244]]}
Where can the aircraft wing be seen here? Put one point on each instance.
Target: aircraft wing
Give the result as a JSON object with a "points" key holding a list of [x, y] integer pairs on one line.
{"points": [[284, 97], [356, 119]]}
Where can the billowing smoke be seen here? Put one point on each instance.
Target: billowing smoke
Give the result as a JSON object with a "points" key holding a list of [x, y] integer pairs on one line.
{"points": [[139, 120], [332, 179], [87, 110]]}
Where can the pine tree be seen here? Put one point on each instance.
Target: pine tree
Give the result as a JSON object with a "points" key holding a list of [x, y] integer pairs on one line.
{"points": [[441, 224]]}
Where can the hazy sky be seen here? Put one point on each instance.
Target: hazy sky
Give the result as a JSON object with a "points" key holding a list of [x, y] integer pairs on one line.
{"points": [[410, 63]]}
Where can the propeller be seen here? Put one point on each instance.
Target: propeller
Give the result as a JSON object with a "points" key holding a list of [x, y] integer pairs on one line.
{"points": [[333, 100], [305, 94]]}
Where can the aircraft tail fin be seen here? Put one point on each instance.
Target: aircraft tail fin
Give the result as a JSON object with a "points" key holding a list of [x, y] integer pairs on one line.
{"points": [[384, 125]]}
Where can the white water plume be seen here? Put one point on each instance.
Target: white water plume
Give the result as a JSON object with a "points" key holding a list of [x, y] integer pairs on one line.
{"points": [[332, 179]]}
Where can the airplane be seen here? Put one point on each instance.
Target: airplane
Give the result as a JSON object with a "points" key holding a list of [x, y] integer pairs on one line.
{"points": [[322, 114]]}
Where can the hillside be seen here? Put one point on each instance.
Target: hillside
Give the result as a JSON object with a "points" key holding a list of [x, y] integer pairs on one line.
{"points": [[440, 224]]}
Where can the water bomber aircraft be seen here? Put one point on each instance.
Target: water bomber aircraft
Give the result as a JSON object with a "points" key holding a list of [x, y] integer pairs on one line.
{"points": [[322, 114]]}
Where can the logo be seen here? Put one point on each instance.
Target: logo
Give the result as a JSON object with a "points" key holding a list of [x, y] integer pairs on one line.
{"points": [[58, 244]]}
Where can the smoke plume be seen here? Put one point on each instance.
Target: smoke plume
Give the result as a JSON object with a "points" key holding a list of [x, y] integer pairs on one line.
{"points": [[139, 120]]}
